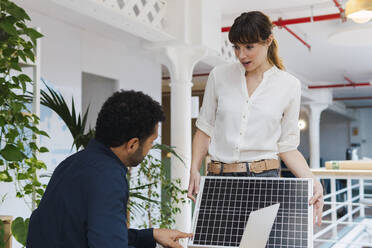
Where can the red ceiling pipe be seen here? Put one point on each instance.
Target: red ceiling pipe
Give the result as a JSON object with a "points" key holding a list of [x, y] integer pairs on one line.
{"points": [[342, 11], [338, 5], [281, 22], [297, 37], [349, 80], [307, 19], [337, 85], [225, 29], [352, 98]]}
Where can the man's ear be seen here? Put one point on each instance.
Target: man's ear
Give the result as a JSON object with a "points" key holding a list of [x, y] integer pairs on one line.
{"points": [[132, 145]]}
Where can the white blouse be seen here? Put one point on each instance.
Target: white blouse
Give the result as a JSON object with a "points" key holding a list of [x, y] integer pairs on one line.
{"points": [[243, 128]]}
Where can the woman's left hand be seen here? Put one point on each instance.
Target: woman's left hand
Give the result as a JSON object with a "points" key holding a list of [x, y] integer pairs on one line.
{"points": [[318, 202]]}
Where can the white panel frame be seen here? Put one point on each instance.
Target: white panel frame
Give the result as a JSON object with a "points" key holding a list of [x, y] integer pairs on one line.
{"points": [[198, 200]]}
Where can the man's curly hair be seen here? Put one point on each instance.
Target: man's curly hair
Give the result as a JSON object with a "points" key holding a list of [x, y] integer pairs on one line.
{"points": [[126, 115]]}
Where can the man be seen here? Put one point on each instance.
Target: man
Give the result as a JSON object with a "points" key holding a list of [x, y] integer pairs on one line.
{"points": [[85, 203]]}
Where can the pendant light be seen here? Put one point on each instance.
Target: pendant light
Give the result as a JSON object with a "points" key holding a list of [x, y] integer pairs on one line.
{"points": [[360, 11]]}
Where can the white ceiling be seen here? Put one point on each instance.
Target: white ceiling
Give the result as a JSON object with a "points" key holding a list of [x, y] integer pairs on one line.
{"points": [[326, 63]]}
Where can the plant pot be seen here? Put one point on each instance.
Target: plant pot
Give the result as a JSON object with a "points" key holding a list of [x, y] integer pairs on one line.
{"points": [[7, 220]]}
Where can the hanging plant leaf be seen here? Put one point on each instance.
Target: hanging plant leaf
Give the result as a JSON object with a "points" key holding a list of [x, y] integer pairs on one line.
{"points": [[12, 153], [2, 234], [20, 229], [5, 177], [43, 149], [17, 12], [170, 149]]}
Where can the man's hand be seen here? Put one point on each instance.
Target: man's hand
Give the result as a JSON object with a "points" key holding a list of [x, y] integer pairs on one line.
{"points": [[169, 238], [318, 202], [193, 184]]}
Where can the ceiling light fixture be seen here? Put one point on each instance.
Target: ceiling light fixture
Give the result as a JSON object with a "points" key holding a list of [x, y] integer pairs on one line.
{"points": [[302, 124], [360, 11]]}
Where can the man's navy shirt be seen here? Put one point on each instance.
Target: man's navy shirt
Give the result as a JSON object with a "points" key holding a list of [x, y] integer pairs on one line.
{"points": [[85, 205]]}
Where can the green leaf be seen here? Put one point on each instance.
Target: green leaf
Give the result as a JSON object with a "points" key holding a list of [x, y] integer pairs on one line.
{"points": [[24, 78], [12, 153], [166, 148], [141, 197], [2, 234], [16, 107], [43, 133], [12, 134], [2, 121], [29, 54], [43, 149], [40, 165], [34, 35], [36, 183], [8, 27], [15, 66], [15, 79], [22, 176], [20, 229], [24, 87], [142, 186], [5, 177], [55, 101], [13, 165], [28, 187], [17, 12], [33, 146], [7, 52], [22, 55]]}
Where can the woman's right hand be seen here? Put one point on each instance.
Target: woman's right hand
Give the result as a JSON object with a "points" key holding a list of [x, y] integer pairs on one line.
{"points": [[193, 184]]}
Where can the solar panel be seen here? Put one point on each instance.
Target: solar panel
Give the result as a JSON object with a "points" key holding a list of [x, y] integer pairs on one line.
{"points": [[224, 204]]}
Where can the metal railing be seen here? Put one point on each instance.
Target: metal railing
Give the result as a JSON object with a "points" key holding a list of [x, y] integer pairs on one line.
{"points": [[344, 205]]}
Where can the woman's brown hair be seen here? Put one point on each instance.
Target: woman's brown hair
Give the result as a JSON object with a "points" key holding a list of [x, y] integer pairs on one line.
{"points": [[255, 27]]}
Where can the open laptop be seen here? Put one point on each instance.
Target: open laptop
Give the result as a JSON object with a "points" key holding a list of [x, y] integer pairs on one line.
{"points": [[258, 227]]}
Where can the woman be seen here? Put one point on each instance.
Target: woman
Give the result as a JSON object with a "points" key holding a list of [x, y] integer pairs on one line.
{"points": [[250, 113]]}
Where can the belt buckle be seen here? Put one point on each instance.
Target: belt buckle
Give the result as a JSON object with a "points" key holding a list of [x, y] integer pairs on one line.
{"points": [[259, 167]]}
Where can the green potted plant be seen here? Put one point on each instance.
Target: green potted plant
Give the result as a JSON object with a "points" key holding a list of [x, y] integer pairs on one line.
{"points": [[18, 126]]}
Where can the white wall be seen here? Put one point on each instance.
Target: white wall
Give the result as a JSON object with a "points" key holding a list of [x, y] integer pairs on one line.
{"points": [[364, 135], [67, 52], [334, 136], [95, 91]]}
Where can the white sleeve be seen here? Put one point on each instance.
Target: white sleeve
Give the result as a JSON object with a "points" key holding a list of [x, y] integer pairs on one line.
{"points": [[290, 135], [207, 115]]}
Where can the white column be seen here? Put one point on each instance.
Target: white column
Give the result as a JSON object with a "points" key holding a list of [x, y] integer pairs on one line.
{"points": [[181, 61], [315, 110]]}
